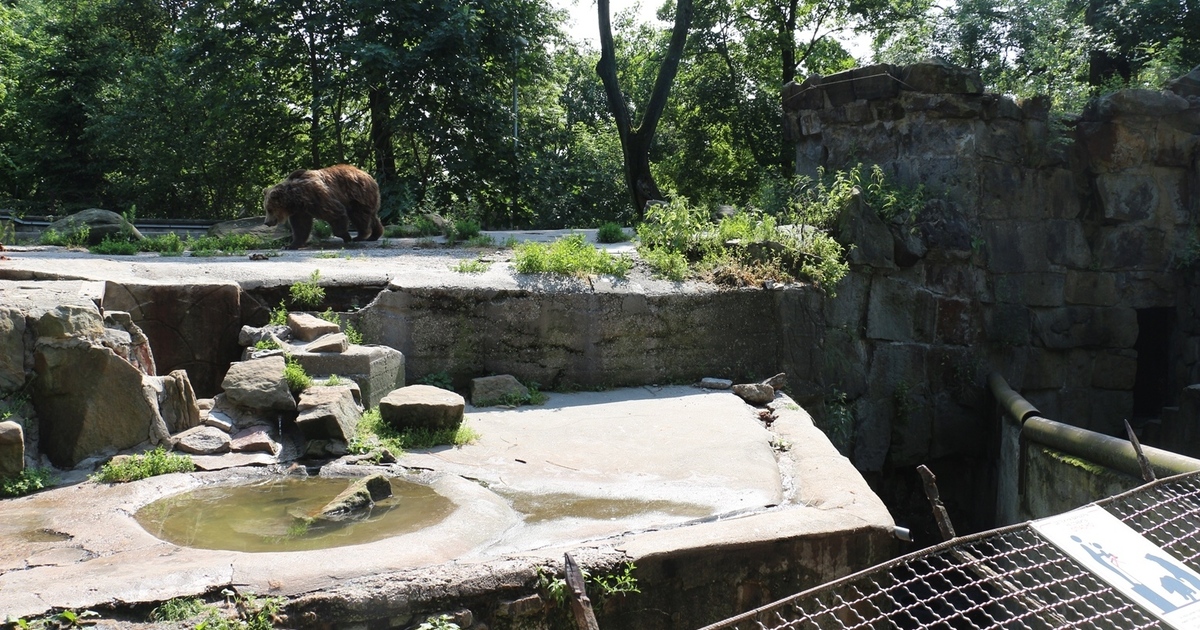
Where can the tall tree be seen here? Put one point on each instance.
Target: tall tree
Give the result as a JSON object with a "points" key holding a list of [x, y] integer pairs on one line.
{"points": [[636, 141]]}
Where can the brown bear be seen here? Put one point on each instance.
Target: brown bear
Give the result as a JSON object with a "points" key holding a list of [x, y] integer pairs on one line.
{"points": [[341, 195]]}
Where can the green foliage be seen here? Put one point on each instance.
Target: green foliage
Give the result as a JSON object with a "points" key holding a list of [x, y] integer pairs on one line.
{"points": [[266, 344], [115, 246], [438, 379], [297, 379], [307, 293], [611, 233], [373, 433], [179, 609], [464, 229], [619, 581], [471, 266], [150, 464], [279, 315], [746, 248], [168, 244], [321, 229], [226, 245], [77, 237], [570, 256], [890, 201], [481, 241], [28, 481], [838, 421], [352, 333], [441, 622], [253, 613]]}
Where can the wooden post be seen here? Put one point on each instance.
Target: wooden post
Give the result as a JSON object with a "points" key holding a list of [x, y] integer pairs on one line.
{"points": [[935, 500], [577, 591]]}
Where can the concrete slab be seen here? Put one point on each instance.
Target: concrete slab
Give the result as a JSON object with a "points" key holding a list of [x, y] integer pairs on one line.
{"points": [[643, 471]]}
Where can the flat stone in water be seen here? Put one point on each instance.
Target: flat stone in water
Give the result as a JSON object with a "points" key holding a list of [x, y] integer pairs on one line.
{"points": [[259, 517]]}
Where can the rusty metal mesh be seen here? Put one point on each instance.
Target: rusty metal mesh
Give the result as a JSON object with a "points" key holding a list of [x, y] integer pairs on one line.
{"points": [[1008, 578]]}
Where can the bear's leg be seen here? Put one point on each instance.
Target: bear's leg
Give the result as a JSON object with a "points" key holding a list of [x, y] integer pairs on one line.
{"points": [[376, 228], [341, 226], [362, 224], [301, 228]]}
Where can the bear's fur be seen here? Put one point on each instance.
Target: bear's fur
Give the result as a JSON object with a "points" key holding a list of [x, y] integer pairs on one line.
{"points": [[340, 195]]}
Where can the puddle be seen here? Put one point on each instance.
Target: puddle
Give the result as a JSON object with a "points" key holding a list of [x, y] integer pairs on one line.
{"points": [[541, 508], [258, 517], [44, 535]]}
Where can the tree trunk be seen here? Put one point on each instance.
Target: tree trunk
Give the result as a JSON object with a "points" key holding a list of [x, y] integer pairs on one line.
{"points": [[635, 143], [379, 99]]}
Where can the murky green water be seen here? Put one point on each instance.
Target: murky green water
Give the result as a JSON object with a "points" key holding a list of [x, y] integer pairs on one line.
{"points": [[263, 517], [539, 508]]}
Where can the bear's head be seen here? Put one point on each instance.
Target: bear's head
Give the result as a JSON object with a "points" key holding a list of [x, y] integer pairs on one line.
{"points": [[274, 204]]}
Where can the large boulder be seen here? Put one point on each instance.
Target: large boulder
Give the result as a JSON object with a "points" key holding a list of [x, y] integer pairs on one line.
{"points": [[494, 390], [422, 407], [12, 449], [250, 225], [12, 350], [203, 441], [259, 384], [89, 398], [176, 401], [355, 499], [192, 327], [328, 413], [99, 223]]}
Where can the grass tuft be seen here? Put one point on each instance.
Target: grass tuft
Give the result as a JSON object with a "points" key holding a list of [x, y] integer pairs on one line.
{"points": [[569, 256], [151, 464]]}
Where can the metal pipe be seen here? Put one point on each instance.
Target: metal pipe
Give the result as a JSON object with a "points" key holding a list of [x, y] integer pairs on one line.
{"points": [[1104, 450], [1017, 407]]}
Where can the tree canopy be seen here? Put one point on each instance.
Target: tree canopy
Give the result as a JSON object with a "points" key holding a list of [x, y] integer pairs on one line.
{"points": [[188, 109]]}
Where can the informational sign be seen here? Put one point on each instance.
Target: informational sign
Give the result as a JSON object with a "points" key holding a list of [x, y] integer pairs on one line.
{"points": [[1124, 559]]}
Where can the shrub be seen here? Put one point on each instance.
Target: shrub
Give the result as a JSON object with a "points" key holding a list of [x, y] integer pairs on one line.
{"points": [[297, 379], [570, 256], [321, 229], [115, 246], [279, 315], [76, 237], [464, 229], [168, 244], [611, 233], [308, 293], [28, 481], [471, 266], [228, 244], [372, 433], [153, 463]]}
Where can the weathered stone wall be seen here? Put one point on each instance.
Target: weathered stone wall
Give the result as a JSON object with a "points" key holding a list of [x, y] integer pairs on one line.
{"points": [[1041, 245]]}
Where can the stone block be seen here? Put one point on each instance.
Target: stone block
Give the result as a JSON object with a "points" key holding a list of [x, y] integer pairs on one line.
{"points": [[328, 412], [1186, 85], [848, 308], [307, 327], [12, 449], [1085, 326], [1127, 196], [203, 441], [193, 327], [806, 95], [956, 323], [1090, 288], [912, 426], [88, 400], [839, 88], [1056, 369], [1016, 246], [1008, 324], [492, 390], [259, 384], [956, 280], [332, 342], [12, 350], [866, 237], [1146, 289], [1132, 248], [1067, 245], [872, 434], [422, 407], [70, 320], [844, 362], [1114, 146], [377, 369], [1174, 146], [891, 312], [955, 430], [875, 82], [1029, 289], [1140, 105], [1115, 370], [938, 77]]}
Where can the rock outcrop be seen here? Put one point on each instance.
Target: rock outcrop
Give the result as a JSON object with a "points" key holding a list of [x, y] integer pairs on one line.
{"points": [[494, 390], [422, 407]]}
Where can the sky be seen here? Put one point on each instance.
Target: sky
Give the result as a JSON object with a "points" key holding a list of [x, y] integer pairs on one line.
{"points": [[581, 24]]}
